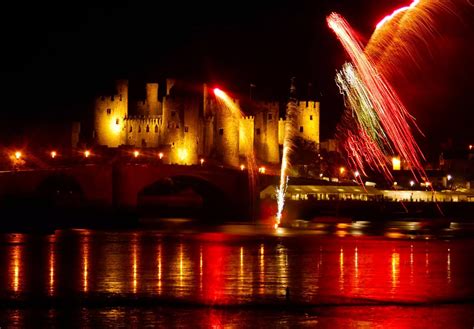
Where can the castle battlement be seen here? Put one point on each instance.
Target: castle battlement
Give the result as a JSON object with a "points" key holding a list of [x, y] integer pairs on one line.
{"points": [[308, 105], [112, 98], [248, 118]]}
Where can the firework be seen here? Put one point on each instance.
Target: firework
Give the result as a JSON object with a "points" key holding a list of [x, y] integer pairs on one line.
{"points": [[290, 125], [383, 123]]}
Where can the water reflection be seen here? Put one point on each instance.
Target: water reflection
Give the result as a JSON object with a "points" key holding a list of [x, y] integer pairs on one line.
{"points": [[225, 269]]}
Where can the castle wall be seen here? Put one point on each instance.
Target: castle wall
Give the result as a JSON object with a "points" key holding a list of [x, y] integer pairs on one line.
{"points": [[308, 121], [172, 128], [246, 135], [109, 115], [141, 132]]}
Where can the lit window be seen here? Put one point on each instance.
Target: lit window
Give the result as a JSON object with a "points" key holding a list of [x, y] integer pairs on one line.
{"points": [[301, 129], [117, 121], [221, 131], [131, 129]]}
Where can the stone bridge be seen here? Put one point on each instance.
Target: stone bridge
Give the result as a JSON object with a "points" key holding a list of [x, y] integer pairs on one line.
{"points": [[120, 185]]}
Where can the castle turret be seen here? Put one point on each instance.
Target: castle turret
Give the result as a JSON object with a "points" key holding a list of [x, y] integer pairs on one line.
{"points": [[308, 121], [109, 116]]}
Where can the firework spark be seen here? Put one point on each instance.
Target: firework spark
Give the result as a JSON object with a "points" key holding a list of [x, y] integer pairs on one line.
{"points": [[290, 125], [382, 119]]}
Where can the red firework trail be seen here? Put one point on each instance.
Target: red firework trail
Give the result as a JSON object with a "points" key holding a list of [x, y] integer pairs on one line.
{"points": [[392, 114]]}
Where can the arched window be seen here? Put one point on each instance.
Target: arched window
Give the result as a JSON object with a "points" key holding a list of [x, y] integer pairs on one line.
{"points": [[156, 128], [131, 129], [139, 129], [147, 128], [109, 111]]}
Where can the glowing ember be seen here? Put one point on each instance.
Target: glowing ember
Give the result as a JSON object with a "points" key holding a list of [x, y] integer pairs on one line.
{"points": [[396, 12]]}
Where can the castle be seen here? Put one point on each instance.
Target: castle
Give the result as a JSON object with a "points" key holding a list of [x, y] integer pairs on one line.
{"points": [[189, 124]]}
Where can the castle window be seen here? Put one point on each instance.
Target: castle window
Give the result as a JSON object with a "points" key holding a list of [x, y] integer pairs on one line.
{"points": [[117, 121], [311, 117], [131, 129], [147, 129], [186, 128], [221, 131], [301, 129], [258, 131], [109, 111], [139, 129], [270, 116], [156, 128]]}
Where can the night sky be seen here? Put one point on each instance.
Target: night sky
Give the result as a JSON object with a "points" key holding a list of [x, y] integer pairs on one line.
{"points": [[56, 57]]}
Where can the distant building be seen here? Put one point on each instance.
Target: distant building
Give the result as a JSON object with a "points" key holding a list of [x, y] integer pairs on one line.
{"points": [[192, 124]]}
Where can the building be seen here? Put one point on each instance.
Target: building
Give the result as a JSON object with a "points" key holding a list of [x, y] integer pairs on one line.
{"points": [[189, 124]]}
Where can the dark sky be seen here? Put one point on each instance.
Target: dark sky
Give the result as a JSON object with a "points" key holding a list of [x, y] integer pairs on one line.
{"points": [[56, 57]]}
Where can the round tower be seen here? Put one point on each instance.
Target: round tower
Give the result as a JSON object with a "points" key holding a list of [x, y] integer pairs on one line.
{"points": [[227, 135]]}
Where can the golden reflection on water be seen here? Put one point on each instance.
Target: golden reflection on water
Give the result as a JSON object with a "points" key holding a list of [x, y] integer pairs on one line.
{"points": [[261, 287], [134, 264], [241, 271], [282, 269], [85, 263], [16, 267], [341, 269], [159, 269], [51, 263], [395, 270]]}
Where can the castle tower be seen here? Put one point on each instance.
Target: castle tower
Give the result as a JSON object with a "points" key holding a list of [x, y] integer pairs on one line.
{"points": [[188, 154], [266, 132], [246, 135], [227, 135], [308, 121], [109, 116]]}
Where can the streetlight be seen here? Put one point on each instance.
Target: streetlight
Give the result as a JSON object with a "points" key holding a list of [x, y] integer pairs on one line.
{"points": [[242, 167], [87, 153], [412, 183], [160, 155], [136, 154], [53, 154], [18, 155], [449, 177], [201, 161], [356, 173]]}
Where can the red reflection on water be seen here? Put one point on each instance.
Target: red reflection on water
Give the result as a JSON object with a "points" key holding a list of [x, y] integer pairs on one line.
{"points": [[214, 262]]}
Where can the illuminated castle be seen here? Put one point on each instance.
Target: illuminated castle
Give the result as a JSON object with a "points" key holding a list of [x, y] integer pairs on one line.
{"points": [[192, 124]]}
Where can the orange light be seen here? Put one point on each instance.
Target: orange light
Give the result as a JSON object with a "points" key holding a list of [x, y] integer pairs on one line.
{"points": [[53, 154], [136, 154], [242, 167], [342, 170], [17, 155], [202, 161], [262, 170], [470, 146], [160, 155], [87, 153], [396, 163]]}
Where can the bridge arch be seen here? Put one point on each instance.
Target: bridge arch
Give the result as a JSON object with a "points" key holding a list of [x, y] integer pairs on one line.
{"points": [[60, 190], [184, 195]]}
